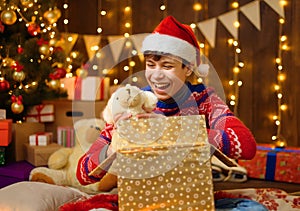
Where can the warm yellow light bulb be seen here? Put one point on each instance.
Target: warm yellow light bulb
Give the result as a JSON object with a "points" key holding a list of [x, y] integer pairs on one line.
{"points": [[283, 107], [235, 43], [127, 25], [278, 60], [236, 70], [232, 97], [281, 20], [127, 9], [276, 87], [197, 7], [235, 4], [103, 12], [231, 82], [132, 63], [236, 24], [232, 103], [240, 83], [116, 81], [275, 117], [279, 67], [241, 64], [201, 45], [285, 47], [279, 95], [193, 26], [162, 7], [283, 2], [281, 77], [126, 68], [277, 122], [230, 41], [283, 38], [238, 50]]}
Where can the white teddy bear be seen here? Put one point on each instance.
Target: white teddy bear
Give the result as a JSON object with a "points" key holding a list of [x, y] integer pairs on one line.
{"points": [[129, 99]]}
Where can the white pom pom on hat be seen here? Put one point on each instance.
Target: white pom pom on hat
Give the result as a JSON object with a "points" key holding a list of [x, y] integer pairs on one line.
{"points": [[178, 39]]}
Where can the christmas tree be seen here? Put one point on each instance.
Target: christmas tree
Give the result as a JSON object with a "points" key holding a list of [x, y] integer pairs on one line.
{"points": [[32, 59]]}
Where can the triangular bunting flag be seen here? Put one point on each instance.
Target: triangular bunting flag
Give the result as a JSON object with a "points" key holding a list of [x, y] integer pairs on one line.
{"points": [[67, 41], [276, 6], [137, 40], [91, 42], [228, 19], [116, 44], [208, 29], [252, 12]]}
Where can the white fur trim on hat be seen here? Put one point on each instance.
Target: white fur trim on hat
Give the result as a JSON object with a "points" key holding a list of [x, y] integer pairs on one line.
{"points": [[202, 70], [169, 44]]}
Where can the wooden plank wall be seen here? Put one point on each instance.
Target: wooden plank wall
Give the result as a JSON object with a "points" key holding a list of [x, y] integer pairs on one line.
{"points": [[259, 49]]}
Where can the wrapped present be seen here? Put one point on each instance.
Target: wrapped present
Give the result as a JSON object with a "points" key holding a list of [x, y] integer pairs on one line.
{"points": [[39, 155], [67, 112], [5, 132], [41, 113], [275, 164], [66, 136], [21, 133], [40, 139], [163, 164], [90, 88], [2, 114]]}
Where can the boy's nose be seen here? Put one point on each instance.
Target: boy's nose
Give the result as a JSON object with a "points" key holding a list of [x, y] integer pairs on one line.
{"points": [[158, 73]]}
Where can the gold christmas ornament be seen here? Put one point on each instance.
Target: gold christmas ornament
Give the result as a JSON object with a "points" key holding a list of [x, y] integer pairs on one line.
{"points": [[81, 72], [54, 84], [52, 15], [44, 49], [8, 17], [19, 76], [17, 108], [27, 3]]}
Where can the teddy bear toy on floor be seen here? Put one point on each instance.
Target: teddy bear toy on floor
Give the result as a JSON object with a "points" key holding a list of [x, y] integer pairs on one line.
{"points": [[62, 163]]}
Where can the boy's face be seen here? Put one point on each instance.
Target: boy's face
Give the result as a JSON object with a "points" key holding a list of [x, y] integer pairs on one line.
{"points": [[166, 75]]}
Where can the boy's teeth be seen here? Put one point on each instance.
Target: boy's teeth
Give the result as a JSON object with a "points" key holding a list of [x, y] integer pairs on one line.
{"points": [[160, 85]]}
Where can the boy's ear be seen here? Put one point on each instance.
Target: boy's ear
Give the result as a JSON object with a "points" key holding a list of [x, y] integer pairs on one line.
{"points": [[188, 71]]}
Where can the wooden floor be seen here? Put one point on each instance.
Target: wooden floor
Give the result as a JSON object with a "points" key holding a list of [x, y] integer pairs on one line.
{"points": [[257, 183]]}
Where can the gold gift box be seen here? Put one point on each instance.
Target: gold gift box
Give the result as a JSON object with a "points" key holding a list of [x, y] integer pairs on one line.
{"points": [[163, 164]]}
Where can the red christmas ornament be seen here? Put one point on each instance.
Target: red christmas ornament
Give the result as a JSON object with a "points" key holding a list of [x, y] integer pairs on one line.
{"points": [[4, 85], [20, 50], [1, 27], [33, 29]]}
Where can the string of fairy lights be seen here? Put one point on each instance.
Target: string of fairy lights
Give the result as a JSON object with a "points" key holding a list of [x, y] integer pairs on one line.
{"points": [[280, 79], [235, 82]]}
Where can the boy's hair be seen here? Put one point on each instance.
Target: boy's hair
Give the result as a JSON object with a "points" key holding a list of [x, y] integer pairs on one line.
{"points": [[156, 56]]}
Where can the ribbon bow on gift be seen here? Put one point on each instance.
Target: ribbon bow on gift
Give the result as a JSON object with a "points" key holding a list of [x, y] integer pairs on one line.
{"points": [[17, 99]]}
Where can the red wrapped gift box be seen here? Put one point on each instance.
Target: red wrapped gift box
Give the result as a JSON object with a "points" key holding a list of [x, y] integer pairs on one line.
{"points": [[41, 113], [90, 88], [5, 132], [271, 163]]}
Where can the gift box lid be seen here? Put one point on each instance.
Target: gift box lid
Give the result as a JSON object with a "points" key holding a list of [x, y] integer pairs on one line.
{"points": [[5, 124], [20, 169]]}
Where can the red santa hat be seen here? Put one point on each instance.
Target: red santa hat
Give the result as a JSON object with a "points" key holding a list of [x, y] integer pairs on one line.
{"points": [[178, 39]]}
